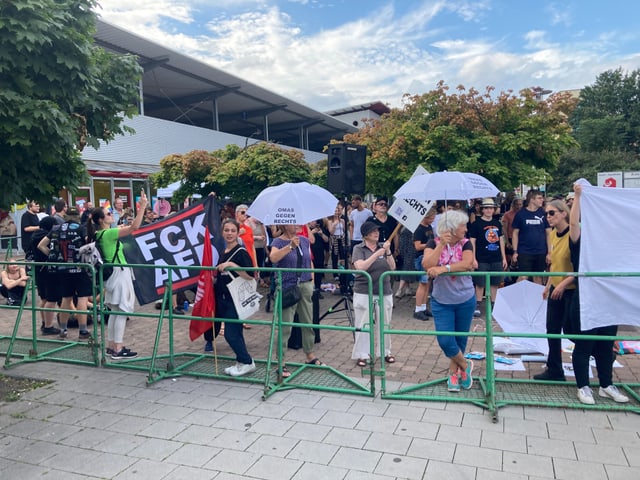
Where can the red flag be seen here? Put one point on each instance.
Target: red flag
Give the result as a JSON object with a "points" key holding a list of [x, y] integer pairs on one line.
{"points": [[205, 302]]}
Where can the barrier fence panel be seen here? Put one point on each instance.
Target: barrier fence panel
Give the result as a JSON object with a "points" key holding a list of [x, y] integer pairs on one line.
{"points": [[166, 351], [492, 392], [23, 343]]}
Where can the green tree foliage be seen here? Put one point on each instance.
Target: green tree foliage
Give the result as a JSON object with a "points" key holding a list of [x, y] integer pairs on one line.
{"points": [[579, 163], [235, 172], [58, 93], [607, 117], [506, 138], [606, 124]]}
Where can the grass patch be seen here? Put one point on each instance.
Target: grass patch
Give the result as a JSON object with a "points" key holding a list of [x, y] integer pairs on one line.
{"points": [[12, 388]]}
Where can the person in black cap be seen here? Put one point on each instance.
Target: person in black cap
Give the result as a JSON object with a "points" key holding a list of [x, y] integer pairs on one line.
{"points": [[375, 259]]}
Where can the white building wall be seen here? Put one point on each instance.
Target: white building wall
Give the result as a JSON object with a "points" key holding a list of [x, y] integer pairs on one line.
{"points": [[156, 138]]}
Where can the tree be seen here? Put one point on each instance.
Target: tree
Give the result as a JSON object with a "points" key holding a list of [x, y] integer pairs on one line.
{"points": [[58, 93], [607, 116], [508, 139], [579, 163], [235, 172]]}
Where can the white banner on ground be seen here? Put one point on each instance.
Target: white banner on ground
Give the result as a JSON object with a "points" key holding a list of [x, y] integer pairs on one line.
{"points": [[410, 212], [609, 243]]}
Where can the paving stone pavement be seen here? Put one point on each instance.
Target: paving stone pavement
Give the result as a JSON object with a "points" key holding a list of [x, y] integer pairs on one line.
{"points": [[108, 424]]}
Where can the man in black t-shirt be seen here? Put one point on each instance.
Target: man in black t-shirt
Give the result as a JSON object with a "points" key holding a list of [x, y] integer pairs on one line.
{"points": [[29, 223]]}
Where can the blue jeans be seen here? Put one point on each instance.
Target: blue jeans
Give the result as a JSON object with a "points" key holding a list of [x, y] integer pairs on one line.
{"points": [[232, 331], [453, 318]]}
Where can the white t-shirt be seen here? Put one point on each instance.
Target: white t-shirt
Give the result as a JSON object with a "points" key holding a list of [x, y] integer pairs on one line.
{"points": [[357, 218]]}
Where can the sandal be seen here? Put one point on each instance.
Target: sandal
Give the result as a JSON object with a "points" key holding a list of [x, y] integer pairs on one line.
{"points": [[285, 372], [390, 359], [315, 361], [361, 362]]}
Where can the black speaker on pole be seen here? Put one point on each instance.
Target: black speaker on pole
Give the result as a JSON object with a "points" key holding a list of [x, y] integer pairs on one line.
{"points": [[346, 168]]}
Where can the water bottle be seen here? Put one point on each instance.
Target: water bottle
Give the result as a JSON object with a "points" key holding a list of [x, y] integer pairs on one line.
{"points": [[186, 306]]}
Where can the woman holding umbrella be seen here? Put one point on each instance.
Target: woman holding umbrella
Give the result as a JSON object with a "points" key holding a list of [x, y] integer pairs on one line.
{"points": [[291, 250], [453, 298]]}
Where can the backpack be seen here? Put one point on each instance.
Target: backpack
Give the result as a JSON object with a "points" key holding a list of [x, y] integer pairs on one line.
{"points": [[92, 253], [65, 241]]}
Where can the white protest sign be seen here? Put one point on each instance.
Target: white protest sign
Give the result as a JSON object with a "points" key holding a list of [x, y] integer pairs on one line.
{"points": [[410, 212]]}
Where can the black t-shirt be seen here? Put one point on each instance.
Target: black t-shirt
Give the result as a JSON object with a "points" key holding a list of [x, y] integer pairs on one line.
{"points": [[28, 220], [240, 257], [487, 234], [423, 234]]}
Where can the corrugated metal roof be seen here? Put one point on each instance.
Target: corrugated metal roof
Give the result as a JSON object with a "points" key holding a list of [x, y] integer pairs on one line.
{"points": [[181, 89]]}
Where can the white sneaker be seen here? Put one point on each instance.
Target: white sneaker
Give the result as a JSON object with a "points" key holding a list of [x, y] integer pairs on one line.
{"points": [[228, 370], [585, 395], [242, 369], [613, 393]]}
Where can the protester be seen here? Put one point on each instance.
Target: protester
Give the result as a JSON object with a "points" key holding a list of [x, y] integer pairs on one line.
{"points": [[558, 290], [234, 255], [601, 350], [62, 245], [375, 259], [421, 237], [531, 247], [14, 280], [405, 262], [29, 223], [337, 239], [43, 283], [507, 226], [359, 214], [453, 298], [119, 294], [285, 252], [488, 245]]}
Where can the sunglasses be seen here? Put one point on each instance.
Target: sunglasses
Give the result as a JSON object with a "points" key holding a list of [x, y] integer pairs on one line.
{"points": [[551, 213], [382, 204], [244, 212], [108, 214], [488, 208]]}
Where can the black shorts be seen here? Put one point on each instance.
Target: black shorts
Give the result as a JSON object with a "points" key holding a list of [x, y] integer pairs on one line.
{"points": [[72, 285], [489, 267], [532, 263]]}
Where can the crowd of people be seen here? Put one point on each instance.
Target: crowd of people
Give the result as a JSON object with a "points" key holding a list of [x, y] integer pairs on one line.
{"points": [[517, 236]]}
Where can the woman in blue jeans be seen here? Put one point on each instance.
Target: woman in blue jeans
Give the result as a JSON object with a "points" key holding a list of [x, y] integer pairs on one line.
{"points": [[234, 255], [453, 298]]}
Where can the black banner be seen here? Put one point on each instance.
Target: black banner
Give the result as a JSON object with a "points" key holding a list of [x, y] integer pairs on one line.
{"points": [[176, 240]]}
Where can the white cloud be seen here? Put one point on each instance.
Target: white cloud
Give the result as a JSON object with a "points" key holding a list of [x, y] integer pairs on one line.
{"points": [[379, 56]]}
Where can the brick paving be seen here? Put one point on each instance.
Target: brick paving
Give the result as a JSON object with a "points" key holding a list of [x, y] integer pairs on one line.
{"points": [[108, 424]]}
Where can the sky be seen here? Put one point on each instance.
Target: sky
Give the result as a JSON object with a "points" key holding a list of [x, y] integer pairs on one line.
{"points": [[331, 54]]}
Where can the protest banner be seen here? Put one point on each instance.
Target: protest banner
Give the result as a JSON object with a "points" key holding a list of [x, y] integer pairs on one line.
{"points": [[410, 212], [177, 240]]}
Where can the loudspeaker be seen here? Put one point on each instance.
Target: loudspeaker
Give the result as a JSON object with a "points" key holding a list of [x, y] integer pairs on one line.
{"points": [[346, 168]]}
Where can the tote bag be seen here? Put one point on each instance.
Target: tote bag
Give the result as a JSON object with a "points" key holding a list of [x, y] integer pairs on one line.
{"points": [[245, 297]]}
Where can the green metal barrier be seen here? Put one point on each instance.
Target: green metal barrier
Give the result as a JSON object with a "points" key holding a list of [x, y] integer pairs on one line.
{"points": [[491, 392], [21, 349], [488, 392]]}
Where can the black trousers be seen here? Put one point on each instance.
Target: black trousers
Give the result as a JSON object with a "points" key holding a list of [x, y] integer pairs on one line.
{"points": [[557, 315]]}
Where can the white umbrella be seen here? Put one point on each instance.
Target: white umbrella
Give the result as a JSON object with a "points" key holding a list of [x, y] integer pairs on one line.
{"points": [[447, 186], [519, 308], [292, 204], [169, 190]]}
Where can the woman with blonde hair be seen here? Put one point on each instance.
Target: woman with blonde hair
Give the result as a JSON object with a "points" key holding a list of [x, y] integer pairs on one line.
{"points": [[14, 281]]}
